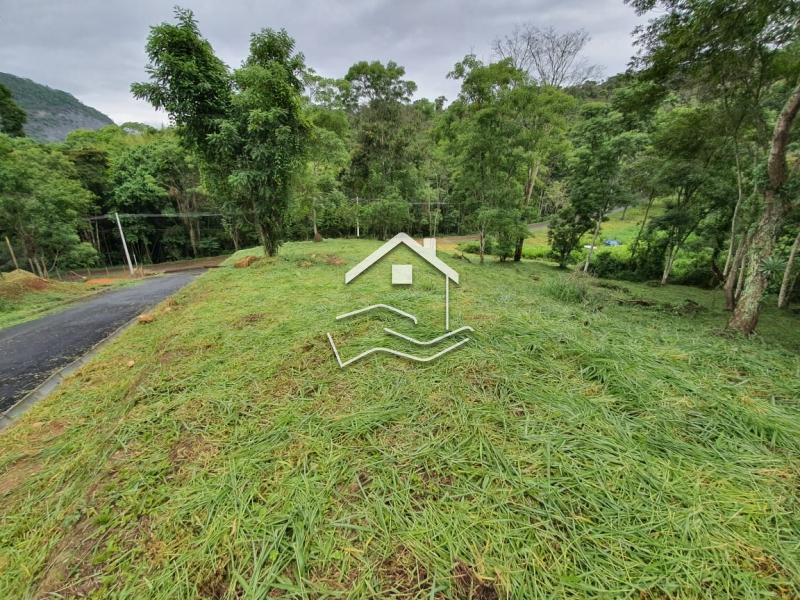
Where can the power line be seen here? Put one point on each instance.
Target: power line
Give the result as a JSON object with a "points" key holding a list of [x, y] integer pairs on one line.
{"points": [[154, 215]]}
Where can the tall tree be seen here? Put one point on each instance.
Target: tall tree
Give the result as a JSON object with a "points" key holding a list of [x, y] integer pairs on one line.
{"points": [[12, 117], [595, 185], [247, 126], [698, 38], [261, 143], [385, 125], [187, 80], [548, 56], [481, 129]]}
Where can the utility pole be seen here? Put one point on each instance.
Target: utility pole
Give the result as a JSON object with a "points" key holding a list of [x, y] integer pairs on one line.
{"points": [[11, 250], [124, 244]]}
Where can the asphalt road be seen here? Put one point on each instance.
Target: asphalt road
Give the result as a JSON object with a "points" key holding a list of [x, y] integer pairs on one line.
{"points": [[30, 352]]}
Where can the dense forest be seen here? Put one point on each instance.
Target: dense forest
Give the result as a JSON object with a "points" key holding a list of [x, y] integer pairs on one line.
{"points": [[698, 132]]}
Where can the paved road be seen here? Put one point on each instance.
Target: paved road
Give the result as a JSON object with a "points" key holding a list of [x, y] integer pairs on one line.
{"points": [[31, 351]]}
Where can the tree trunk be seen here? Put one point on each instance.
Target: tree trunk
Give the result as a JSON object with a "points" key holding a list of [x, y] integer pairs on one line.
{"points": [[481, 243], [518, 249], [624, 210], [734, 219], [669, 259], [788, 276], [317, 236], [533, 173], [733, 276], [594, 241], [745, 315], [755, 279], [644, 222]]}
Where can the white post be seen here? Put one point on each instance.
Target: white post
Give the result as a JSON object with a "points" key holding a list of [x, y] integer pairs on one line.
{"points": [[124, 244], [358, 225], [446, 303]]}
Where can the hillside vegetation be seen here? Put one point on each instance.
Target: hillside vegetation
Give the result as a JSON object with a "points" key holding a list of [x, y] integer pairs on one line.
{"points": [[52, 114], [594, 439]]}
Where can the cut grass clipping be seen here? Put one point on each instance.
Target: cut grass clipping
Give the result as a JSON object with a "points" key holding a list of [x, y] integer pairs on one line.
{"points": [[589, 442]]}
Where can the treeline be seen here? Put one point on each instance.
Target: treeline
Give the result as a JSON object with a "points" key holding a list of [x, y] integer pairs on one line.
{"points": [[699, 133]]}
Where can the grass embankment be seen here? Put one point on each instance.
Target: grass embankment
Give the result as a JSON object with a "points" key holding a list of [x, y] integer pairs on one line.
{"points": [[588, 442], [24, 296]]}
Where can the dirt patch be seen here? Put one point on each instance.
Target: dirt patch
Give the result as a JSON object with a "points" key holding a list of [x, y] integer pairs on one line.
{"points": [[468, 585], [403, 574], [69, 573], [245, 262], [215, 585], [101, 281], [19, 472], [334, 261], [189, 450], [249, 319]]}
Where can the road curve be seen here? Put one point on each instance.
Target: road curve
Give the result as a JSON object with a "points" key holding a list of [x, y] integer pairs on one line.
{"points": [[30, 352]]}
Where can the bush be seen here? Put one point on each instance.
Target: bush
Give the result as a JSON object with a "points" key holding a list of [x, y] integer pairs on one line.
{"points": [[474, 247], [613, 263]]}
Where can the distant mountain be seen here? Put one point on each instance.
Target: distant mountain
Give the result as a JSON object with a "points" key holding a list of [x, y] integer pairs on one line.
{"points": [[52, 114]]}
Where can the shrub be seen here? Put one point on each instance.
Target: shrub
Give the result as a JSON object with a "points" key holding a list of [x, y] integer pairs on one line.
{"points": [[474, 247]]}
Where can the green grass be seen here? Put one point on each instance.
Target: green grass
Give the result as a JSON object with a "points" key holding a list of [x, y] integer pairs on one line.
{"points": [[24, 297], [625, 230], [605, 442]]}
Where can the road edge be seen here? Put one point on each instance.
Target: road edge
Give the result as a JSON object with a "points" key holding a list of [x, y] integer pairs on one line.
{"points": [[12, 414]]}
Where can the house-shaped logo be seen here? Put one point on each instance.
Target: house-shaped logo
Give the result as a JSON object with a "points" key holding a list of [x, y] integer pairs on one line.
{"points": [[403, 275]]}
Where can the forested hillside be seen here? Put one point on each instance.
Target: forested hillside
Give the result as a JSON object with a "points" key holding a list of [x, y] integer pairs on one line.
{"points": [[51, 114], [699, 135]]}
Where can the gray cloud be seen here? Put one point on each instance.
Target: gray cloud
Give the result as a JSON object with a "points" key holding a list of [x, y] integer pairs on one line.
{"points": [[94, 49]]}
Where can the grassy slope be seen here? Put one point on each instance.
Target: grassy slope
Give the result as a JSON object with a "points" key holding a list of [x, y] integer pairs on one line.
{"points": [[26, 297], [578, 447]]}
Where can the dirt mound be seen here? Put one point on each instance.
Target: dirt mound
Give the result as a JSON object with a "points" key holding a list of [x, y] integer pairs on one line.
{"points": [[245, 262], [18, 282]]}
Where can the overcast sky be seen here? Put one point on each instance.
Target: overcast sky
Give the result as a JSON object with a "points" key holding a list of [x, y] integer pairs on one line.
{"points": [[94, 49]]}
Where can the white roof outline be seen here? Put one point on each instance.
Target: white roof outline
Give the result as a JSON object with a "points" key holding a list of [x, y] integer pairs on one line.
{"points": [[401, 238]]}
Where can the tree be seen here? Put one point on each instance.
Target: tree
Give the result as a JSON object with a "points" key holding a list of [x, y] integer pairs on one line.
{"points": [[595, 185], [547, 56], [702, 37], [318, 182], [789, 276], [187, 80], [12, 117], [541, 134], [385, 127], [43, 206], [693, 163], [247, 126], [482, 129], [567, 226]]}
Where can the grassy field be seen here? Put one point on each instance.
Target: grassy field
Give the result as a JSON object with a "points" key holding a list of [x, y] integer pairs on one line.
{"points": [[536, 244], [594, 439], [23, 296]]}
